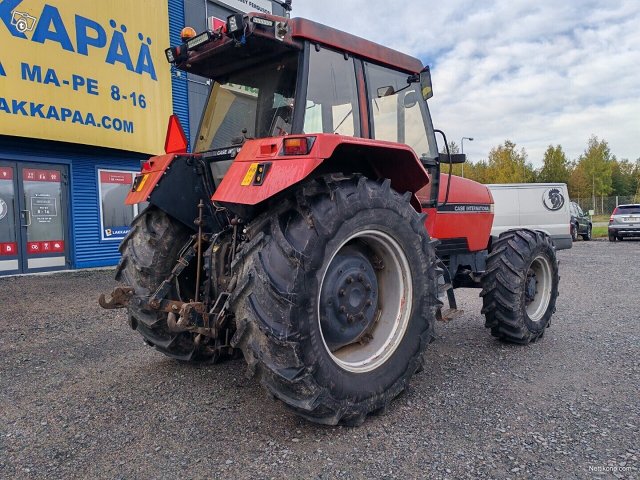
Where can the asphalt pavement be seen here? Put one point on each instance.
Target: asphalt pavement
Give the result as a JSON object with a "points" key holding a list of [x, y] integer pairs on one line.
{"points": [[81, 396]]}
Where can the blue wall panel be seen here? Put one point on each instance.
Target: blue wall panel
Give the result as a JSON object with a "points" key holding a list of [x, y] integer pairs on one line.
{"points": [[87, 250], [179, 88]]}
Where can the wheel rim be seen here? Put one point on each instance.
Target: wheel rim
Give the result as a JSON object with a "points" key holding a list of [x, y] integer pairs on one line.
{"points": [[538, 288], [382, 323]]}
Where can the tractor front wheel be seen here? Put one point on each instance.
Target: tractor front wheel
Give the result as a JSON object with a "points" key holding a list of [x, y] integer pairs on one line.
{"points": [[520, 286], [336, 298]]}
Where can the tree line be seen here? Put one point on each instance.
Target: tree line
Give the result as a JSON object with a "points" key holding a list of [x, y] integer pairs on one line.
{"points": [[597, 172]]}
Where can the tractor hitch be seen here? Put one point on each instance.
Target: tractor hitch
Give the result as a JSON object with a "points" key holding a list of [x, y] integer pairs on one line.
{"points": [[120, 298], [183, 316]]}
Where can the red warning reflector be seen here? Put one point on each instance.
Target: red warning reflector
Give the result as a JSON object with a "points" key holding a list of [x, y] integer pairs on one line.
{"points": [[216, 24], [176, 141]]}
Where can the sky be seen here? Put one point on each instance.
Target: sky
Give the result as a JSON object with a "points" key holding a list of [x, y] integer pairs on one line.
{"points": [[536, 73]]}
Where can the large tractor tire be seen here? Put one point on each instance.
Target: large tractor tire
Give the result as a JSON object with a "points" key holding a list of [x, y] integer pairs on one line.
{"points": [[336, 298], [149, 253], [520, 286]]}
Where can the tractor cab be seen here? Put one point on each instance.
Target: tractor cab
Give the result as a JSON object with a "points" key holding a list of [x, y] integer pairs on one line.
{"points": [[304, 98], [275, 78]]}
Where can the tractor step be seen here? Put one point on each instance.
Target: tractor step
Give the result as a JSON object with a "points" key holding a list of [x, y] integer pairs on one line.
{"points": [[448, 314]]}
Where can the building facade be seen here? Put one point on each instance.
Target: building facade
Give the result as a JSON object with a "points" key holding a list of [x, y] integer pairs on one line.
{"points": [[85, 95]]}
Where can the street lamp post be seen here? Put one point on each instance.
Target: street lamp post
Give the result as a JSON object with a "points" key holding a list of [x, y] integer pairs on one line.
{"points": [[462, 149]]}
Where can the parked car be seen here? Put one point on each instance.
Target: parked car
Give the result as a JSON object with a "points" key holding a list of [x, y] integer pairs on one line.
{"points": [[538, 206], [580, 222], [624, 222]]}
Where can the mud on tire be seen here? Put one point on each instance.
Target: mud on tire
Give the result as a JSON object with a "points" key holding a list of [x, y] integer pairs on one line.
{"points": [[149, 253], [318, 237], [520, 286]]}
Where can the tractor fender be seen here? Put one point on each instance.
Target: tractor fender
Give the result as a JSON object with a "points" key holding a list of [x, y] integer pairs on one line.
{"points": [[261, 170], [176, 184]]}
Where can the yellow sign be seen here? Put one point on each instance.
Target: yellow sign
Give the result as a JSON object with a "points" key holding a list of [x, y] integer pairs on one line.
{"points": [[91, 73]]}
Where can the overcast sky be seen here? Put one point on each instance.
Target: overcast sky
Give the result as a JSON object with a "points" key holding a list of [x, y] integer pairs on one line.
{"points": [[535, 72]]}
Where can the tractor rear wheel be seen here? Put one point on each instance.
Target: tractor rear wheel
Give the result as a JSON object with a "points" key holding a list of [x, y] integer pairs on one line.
{"points": [[336, 298], [149, 253], [520, 286]]}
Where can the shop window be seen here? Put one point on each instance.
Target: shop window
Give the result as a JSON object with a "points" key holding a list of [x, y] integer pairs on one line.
{"points": [[115, 216]]}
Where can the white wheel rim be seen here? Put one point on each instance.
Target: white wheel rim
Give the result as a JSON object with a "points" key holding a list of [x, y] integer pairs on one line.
{"points": [[541, 267], [394, 305]]}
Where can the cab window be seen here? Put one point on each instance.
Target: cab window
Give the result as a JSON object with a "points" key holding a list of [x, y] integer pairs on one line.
{"points": [[332, 95], [397, 109]]}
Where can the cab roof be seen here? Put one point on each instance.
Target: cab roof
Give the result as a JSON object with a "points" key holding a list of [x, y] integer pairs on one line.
{"points": [[342, 41], [259, 43]]}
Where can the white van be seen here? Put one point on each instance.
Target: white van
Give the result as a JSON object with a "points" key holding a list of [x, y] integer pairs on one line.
{"points": [[538, 206]]}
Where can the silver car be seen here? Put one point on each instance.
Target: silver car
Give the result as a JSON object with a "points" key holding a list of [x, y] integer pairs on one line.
{"points": [[624, 222]]}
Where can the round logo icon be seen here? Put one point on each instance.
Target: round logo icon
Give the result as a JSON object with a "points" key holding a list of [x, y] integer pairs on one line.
{"points": [[553, 199], [3, 209]]}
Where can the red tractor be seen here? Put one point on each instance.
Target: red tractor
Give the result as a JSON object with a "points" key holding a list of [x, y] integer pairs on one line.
{"points": [[312, 229]]}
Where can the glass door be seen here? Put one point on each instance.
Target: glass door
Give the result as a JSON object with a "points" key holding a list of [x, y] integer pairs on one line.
{"points": [[43, 195], [9, 222], [33, 218]]}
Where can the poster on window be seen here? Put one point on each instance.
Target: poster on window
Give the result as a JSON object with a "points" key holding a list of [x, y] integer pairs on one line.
{"points": [[115, 216]]}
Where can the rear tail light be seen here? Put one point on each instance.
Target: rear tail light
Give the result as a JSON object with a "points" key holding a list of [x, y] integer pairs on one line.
{"points": [[297, 146], [611, 219]]}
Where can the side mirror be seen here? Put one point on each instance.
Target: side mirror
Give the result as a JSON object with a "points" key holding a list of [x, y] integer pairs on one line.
{"points": [[386, 91], [453, 158], [425, 84]]}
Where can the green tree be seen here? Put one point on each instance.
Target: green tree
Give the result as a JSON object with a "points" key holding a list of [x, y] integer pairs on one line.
{"points": [[624, 177], [479, 172], [509, 165], [579, 187], [453, 147], [555, 166], [595, 167]]}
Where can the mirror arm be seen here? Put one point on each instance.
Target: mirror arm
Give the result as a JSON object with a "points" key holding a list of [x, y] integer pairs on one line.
{"points": [[446, 144]]}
